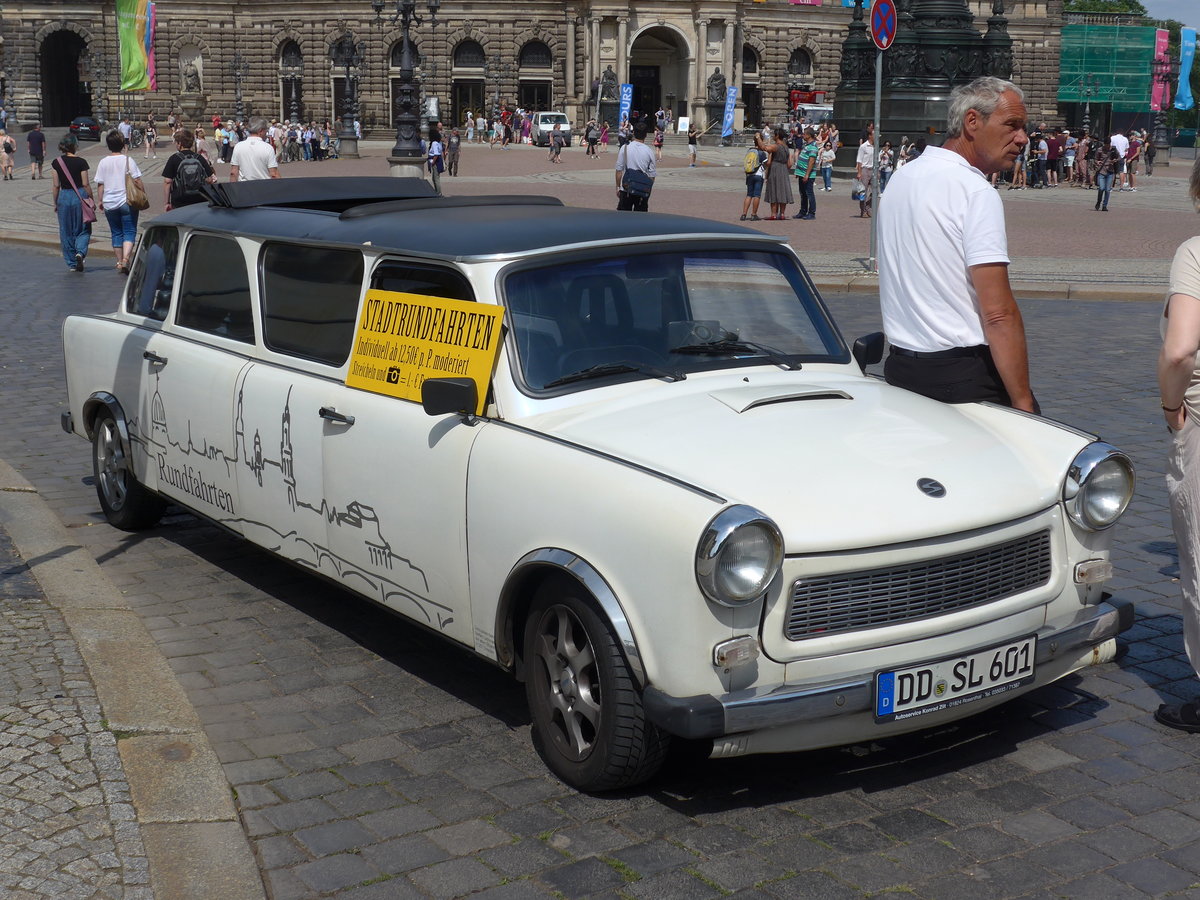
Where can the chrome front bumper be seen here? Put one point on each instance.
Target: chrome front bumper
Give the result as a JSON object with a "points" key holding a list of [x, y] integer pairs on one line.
{"points": [[757, 709]]}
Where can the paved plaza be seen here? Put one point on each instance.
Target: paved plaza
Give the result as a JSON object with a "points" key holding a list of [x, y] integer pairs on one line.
{"points": [[357, 757]]}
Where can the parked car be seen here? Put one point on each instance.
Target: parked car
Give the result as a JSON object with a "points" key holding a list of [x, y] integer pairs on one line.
{"points": [[629, 459], [85, 128], [543, 124]]}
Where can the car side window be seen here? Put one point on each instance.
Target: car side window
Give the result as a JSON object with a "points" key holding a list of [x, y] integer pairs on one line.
{"points": [[215, 293], [429, 281], [310, 300], [152, 278]]}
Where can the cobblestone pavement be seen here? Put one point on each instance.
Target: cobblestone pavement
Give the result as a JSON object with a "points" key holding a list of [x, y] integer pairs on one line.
{"points": [[67, 827], [370, 760]]}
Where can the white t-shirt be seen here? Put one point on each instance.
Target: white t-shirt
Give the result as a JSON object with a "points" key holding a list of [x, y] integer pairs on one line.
{"points": [[254, 158], [866, 155], [110, 172], [1121, 143], [938, 217]]}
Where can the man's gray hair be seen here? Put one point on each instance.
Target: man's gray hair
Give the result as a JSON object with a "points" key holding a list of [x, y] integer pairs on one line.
{"points": [[982, 94], [258, 124]]}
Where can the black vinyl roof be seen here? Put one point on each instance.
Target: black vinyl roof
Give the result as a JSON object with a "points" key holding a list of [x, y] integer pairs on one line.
{"points": [[405, 215]]}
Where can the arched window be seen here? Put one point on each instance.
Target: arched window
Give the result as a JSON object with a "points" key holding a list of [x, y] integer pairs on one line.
{"points": [[469, 55], [398, 53], [535, 55], [290, 56], [800, 63], [749, 60]]}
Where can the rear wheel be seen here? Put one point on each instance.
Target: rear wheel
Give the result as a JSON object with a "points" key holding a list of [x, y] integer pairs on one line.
{"points": [[126, 503], [589, 724]]}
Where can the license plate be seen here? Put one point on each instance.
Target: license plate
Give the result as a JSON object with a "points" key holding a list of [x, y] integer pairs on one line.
{"points": [[931, 687]]}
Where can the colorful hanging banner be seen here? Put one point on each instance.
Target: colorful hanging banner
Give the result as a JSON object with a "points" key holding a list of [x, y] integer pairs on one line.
{"points": [[1158, 90], [151, 30], [133, 32], [1187, 56], [731, 93]]}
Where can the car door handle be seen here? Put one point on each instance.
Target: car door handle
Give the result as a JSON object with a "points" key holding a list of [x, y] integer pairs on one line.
{"points": [[332, 415], [154, 358]]}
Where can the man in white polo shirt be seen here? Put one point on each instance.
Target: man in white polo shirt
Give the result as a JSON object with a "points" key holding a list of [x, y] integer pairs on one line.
{"points": [[254, 159], [955, 330]]}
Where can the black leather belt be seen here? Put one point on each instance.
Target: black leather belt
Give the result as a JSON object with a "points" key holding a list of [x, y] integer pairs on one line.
{"points": [[952, 353]]}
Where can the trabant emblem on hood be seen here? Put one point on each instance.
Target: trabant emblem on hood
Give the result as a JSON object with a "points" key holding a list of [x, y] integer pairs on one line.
{"points": [[931, 487]]}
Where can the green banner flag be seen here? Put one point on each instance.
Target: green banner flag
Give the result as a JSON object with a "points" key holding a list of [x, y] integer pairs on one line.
{"points": [[132, 22]]}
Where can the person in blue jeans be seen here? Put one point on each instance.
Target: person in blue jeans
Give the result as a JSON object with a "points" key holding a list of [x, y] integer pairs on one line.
{"points": [[73, 233], [122, 218], [806, 175], [828, 155], [1107, 165]]}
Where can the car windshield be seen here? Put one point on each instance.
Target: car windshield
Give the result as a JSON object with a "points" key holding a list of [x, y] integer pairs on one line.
{"points": [[554, 119], [664, 315]]}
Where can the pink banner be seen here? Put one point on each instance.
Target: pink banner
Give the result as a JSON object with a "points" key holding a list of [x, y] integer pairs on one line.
{"points": [[1160, 90]]}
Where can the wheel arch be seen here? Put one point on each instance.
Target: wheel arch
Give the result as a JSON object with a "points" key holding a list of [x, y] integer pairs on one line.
{"points": [[530, 572], [103, 400]]}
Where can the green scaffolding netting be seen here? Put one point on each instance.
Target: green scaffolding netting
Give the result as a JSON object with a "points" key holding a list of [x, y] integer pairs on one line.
{"points": [[1113, 60]]}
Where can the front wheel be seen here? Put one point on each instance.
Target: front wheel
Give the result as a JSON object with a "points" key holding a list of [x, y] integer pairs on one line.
{"points": [[126, 503], [589, 725]]}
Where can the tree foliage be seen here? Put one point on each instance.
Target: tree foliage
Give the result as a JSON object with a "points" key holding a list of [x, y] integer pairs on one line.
{"points": [[1128, 7]]}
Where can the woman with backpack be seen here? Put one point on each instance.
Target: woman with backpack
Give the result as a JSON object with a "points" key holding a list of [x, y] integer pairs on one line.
{"points": [[9, 149]]}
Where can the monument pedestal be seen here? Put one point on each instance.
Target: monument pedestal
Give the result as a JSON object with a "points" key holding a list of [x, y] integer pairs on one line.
{"points": [[192, 108]]}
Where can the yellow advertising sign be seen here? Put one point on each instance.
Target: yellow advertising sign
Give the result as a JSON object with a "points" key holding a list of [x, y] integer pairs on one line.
{"points": [[403, 339]]}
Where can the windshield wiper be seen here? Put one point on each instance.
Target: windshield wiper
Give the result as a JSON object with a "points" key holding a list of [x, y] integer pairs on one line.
{"points": [[616, 368], [722, 348]]}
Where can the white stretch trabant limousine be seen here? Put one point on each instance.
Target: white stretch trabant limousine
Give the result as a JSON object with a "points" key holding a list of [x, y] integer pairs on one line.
{"points": [[629, 458]]}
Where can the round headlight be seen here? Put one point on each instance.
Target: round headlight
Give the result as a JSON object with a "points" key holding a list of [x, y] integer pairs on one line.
{"points": [[1099, 486], [739, 553]]}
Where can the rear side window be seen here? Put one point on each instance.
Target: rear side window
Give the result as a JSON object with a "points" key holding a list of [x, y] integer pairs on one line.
{"points": [[215, 294], [153, 275], [429, 281], [310, 300]]}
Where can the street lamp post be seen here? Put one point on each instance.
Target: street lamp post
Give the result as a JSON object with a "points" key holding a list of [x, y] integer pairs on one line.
{"points": [[407, 160], [495, 69], [1089, 85], [1165, 69], [348, 55], [239, 67]]}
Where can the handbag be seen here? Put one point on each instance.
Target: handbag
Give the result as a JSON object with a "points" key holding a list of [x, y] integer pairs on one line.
{"points": [[87, 204], [134, 195], [635, 182], [858, 190]]}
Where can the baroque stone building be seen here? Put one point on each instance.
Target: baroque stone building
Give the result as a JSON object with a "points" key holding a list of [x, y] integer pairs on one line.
{"points": [[61, 57]]}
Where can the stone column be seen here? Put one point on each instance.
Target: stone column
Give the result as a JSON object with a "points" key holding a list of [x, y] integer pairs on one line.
{"points": [[699, 75], [622, 49], [729, 55], [594, 65], [570, 61]]}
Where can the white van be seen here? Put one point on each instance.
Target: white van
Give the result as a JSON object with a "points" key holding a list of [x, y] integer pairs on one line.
{"points": [[543, 124]]}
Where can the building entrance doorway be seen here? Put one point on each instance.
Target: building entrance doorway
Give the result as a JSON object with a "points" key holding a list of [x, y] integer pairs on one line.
{"points": [[64, 94], [658, 69], [534, 95], [466, 95]]}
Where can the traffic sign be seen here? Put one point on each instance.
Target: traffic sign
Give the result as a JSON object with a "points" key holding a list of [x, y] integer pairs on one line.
{"points": [[884, 22]]}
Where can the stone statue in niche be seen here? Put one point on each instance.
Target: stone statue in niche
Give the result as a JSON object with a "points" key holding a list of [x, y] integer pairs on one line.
{"points": [[191, 77], [716, 87], [190, 66], [608, 84]]}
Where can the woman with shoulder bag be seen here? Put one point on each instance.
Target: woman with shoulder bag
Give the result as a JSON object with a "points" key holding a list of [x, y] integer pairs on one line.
{"points": [[73, 202], [114, 200], [9, 150]]}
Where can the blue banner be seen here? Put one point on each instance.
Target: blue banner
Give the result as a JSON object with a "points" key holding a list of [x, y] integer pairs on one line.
{"points": [[626, 102], [730, 104], [1187, 56]]}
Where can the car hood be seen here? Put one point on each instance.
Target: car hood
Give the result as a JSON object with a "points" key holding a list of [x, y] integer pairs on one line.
{"points": [[835, 459]]}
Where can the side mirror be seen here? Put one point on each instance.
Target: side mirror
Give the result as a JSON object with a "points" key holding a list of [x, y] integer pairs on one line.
{"points": [[868, 349], [440, 396]]}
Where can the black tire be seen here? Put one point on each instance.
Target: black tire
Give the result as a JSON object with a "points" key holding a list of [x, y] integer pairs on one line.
{"points": [[589, 725], [126, 503]]}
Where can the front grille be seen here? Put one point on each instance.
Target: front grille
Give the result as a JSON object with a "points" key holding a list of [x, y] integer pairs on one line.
{"points": [[836, 604]]}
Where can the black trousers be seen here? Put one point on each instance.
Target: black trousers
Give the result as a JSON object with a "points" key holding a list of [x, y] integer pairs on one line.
{"points": [[627, 202], [959, 375]]}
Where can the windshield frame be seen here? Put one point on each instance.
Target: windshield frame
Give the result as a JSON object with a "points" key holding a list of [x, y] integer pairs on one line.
{"points": [[791, 265]]}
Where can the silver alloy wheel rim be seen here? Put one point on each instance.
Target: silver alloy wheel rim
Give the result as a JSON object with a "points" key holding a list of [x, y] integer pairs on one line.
{"points": [[571, 681], [111, 466]]}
